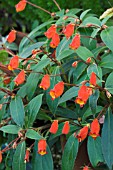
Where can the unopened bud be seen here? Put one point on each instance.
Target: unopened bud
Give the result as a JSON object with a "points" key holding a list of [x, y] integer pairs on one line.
{"points": [[88, 60], [77, 20], [1, 105], [89, 25], [28, 67], [74, 64], [67, 10], [108, 94], [53, 14], [14, 145], [20, 134], [66, 17], [79, 119], [104, 26], [24, 63]]}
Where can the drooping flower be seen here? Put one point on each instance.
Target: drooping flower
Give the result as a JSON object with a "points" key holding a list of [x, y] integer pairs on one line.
{"points": [[20, 78], [54, 127], [27, 155], [6, 79], [74, 64], [12, 36], [75, 42], [69, 30], [14, 63], [0, 156], [93, 79], [55, 41], [66, 128], [21, 5], [57, 90], [42, 145], [83, 95], [82, 134], [94, 129], [45, 83], [85, 168], [51, 31]]}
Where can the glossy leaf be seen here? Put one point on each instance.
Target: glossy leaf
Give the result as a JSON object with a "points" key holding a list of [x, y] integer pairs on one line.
{"points": [[107, 139], [70, 153], [92, 20], [41, 64], [65, 54], [84, 53], [107, 37], [69, 94], [109, 83], [12, 129], [44, 162], [95, 151], [18, 158], [66, 113], [84, 13], [17, 110], [33, 108], [93, 101], [32, 134], [107, 61]]}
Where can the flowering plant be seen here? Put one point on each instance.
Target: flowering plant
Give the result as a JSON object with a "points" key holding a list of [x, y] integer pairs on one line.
{"points": [[57, 89]]}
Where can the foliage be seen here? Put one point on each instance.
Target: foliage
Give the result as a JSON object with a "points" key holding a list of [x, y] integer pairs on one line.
{"points": [[59, 93], [22, 21]]}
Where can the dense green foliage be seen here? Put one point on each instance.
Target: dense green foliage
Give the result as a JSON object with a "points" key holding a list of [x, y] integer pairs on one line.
{"points": [[31, 17]]}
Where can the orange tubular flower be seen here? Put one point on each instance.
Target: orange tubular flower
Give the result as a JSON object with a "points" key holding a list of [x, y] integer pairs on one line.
{"points": [[42, 145], [45, 83], [55, 41], [14, 63], [83, 95], [93, 79], [95, 129], [0, 156], [75, 42], [86, 168], [20, 78], [82, 134], [66, 128], [57, 90], [6, 80], [12, 36], [51, 31], [54, 127], [21, 5], [69, 30], [27, 155]]}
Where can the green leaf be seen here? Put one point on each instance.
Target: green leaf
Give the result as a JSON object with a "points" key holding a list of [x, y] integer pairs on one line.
{"points": [[70, 153], [64, 44], [84, 53], [107, 139], [92, 20], [33, 109], [32, 134], [66, 113], [94, 68], [18, 158], [107, 61], [107, 37], [17, 110], [95, 151], [52, 104], [25, 40], [41, 64], [83, 14], [109, 83], [44, 162], [12, 129], [69, 94], [28, 50], [31, 84], [3, 110], [93, 101], [65, 54]]}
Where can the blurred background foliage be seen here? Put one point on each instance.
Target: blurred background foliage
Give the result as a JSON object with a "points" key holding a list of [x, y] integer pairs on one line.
{"points": [[31, 17]]}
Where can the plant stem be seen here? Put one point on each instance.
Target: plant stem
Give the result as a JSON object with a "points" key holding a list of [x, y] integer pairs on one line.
{"points": [[57, 4], [36, 6]]}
